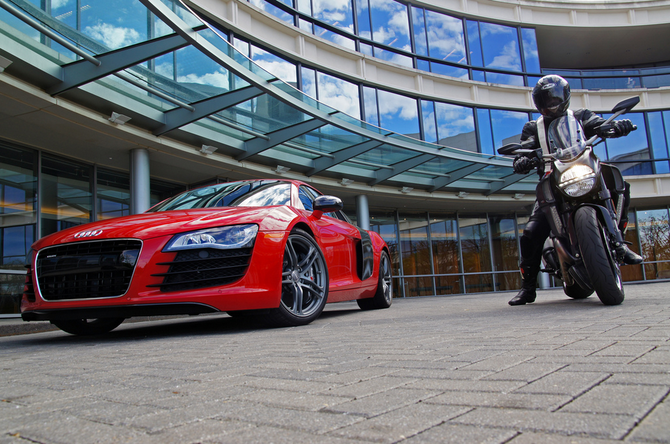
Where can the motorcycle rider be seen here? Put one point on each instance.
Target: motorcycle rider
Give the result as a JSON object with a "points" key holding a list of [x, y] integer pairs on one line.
{"points": [[551, 96]]}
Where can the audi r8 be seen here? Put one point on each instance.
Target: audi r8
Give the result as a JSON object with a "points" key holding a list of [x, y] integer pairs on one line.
{"points": [[277, 249]]}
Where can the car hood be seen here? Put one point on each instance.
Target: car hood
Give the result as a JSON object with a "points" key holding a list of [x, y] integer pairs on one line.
{"points": [[150, 225]]}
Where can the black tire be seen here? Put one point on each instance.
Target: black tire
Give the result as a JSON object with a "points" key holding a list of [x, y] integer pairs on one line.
{"points": [[304, 282], [88, 327], [602, 267], [576, 292], [383, 298]]}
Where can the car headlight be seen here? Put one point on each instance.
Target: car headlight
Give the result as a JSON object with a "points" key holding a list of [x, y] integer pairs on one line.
{"points": [[223, 238], [578, 180]]}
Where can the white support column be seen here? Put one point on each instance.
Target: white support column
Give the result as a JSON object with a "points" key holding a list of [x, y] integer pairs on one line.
{"points": [[140, 193], [362, 211], [545, 280]]}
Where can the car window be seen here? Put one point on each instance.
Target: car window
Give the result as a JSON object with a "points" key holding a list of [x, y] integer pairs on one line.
{"points": [[306, 198], [248, 194], [279, 194]]}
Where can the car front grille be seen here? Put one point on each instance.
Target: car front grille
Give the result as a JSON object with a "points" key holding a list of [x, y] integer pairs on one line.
{"points": [[207, 267], [87, 270]]}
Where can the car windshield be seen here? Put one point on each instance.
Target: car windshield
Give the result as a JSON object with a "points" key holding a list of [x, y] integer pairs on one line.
{"points": [[566, 137], [259, 193]]}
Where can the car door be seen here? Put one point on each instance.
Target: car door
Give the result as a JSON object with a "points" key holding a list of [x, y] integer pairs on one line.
{"points": [[338, 239]]}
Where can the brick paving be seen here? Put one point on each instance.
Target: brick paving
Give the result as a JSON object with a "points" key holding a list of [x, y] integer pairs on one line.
{"points": [[428, 370]]}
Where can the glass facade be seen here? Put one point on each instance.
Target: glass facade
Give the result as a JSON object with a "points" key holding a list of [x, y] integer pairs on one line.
{"points": [[444, 254]]}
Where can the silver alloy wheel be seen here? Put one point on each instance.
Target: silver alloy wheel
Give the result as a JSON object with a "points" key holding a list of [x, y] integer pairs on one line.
{"points": [[304, 277], [385, 270]]}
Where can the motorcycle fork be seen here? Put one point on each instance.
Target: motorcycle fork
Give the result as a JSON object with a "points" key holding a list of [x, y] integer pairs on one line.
{"points": [[608, 217]]}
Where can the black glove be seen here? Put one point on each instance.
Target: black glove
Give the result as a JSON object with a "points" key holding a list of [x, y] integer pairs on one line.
{"points": [[523, 165], [622, 128]]}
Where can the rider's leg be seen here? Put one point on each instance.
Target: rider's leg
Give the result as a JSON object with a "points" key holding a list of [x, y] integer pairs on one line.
{"points": [[532, 241], [629, 256]]}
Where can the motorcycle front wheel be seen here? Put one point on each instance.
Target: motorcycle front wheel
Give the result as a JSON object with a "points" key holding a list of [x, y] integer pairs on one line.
{"points": [[602, 267]]}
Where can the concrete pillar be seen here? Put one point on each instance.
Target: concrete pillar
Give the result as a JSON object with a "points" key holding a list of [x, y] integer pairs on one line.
{"points": [[140, 188], [362, 212]]}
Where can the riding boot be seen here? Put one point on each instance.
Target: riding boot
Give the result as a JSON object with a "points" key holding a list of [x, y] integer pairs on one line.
{"points": [[629, 256], [529, 282]]}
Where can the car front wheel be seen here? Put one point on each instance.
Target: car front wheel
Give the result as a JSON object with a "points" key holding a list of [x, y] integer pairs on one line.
{"points": [[304, 282]]}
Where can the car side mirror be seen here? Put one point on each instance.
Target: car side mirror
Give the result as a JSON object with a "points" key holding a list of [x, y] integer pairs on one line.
{"points": [[327, 204]]}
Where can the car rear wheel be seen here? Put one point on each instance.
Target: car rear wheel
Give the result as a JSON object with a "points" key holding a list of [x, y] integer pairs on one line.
{"points": [[383, 298], [304, 282], [88, 327]]}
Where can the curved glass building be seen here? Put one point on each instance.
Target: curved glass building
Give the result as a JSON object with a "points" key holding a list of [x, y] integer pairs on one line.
{"points": [[397, 107]]}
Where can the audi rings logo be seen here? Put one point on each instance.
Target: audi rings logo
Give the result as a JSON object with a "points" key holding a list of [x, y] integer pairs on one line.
{"points": [[83, 234]]}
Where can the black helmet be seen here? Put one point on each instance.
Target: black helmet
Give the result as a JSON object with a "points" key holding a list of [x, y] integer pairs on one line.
{"points": [[552, 96]]}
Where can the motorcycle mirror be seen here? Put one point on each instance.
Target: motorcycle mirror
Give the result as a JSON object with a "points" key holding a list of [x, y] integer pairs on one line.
{"points": [[626, 105], [508, 149]]}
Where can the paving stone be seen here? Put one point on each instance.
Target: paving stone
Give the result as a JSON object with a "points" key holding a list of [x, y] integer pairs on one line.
{"points": [[655, 427], [457, 434], [397, 425], [564, 383], [633, 400], [466, 368], [595, 425]]}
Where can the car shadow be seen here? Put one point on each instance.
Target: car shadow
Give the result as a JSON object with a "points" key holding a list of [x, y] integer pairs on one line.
{"points": [[148, 328]]}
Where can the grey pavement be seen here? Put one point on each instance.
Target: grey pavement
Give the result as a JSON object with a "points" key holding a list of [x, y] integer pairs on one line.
{"points": [[460, 369]]}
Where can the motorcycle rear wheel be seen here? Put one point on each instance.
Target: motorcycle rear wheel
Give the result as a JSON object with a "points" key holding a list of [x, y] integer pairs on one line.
{"points": [[601, 265]]}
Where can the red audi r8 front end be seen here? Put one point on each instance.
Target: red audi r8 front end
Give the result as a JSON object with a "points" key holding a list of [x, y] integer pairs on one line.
{"points": [[274, 248]]}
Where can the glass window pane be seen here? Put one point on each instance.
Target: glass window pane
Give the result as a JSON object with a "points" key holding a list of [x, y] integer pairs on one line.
{"points": [[18, 194], [113, 194], [505, 252], [507, 126], [384, 224], [277, 12], [418, 286], [445, 37], [658, 140], [632, 272], [484, 129], [474, 42], [626, 152], [530, 53], [370, 104], [113, 30], [308, 80], [448, 70], [419, 26], [428, 116], [444, 239], [654, 232], [398, 113], [334, 37], [504, 79], [339, 94], [474, 244], [414, 245], [456, 126], [275, 65], [393, 57], [66, 194], [337, 13], [363, 19], [390, 24], [500, 46]]}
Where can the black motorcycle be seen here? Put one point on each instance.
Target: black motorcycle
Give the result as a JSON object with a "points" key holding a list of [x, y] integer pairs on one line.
{"points": [[582, 199]]}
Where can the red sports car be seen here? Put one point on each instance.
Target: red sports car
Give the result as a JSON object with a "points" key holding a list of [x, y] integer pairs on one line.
{"points": [[275, 248]]}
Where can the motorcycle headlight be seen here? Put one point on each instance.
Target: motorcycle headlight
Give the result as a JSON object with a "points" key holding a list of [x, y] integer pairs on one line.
{"points": [[577, 181], [223, 238]]}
